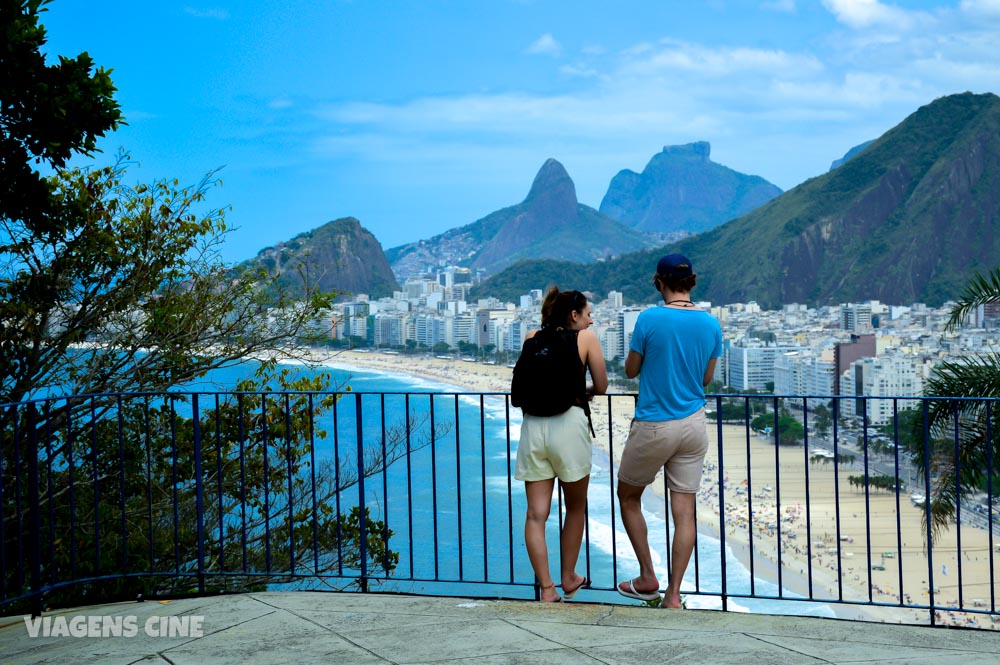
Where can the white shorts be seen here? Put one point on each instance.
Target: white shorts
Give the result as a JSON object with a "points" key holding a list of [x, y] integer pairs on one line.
{"points": [[554, 447]]}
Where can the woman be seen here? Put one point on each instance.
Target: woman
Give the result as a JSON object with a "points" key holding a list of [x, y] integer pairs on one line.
{"points": [[559, 446]]}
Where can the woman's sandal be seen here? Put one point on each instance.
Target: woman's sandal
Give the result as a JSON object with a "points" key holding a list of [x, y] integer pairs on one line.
{"points": [[553, 587]]}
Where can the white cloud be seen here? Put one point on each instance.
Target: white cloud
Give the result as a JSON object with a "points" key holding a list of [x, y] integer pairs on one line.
{"points": [[981, 7], [868, 13], [579, 71], [545, 45], [787, 6], [674, 58], [218, 14], [781, 114], [280, 103]]}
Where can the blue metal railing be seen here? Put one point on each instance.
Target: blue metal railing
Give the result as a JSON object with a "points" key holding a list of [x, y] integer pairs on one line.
{"points": [[112, 496]]}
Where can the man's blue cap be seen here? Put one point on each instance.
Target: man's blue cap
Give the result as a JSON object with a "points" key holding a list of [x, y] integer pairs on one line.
{"points": [[674, 265]]}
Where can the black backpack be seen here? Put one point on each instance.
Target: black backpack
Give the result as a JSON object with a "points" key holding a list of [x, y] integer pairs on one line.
{"points": [[548, 377]]}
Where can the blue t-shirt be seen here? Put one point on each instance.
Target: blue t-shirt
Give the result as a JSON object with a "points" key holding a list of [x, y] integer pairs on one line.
{"points": [[675, 345]]}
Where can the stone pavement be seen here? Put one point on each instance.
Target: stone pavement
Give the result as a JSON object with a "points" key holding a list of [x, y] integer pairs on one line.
{"points": [[316, 627]]}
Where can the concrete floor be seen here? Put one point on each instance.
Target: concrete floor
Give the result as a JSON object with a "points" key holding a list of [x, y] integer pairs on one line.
{"points": [[315, 627]]}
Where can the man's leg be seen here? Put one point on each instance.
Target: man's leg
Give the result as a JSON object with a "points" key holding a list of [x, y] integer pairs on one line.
{"points": [[630, 505], [575, 496], [682, 510], [539, 494]]}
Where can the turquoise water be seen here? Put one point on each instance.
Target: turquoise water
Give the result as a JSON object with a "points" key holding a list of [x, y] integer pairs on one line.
{"points": [[437, 494]]}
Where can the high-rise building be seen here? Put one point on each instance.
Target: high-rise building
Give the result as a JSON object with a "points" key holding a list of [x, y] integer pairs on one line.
{"points": [[803, 373], [626, 326], [611, 343], [750, 362], [891, 376], [856, 318], [860, 346]]}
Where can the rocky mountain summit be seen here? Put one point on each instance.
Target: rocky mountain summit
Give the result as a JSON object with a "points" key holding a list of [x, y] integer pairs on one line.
{"points": [[549, 223], [339, 256], [908, 219], [682, 190]]}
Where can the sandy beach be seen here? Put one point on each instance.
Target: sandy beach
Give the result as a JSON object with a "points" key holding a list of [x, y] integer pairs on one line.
{"points": [[767, 496]]}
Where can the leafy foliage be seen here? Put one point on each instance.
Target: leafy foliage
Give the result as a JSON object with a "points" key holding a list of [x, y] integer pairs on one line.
{"points": [[112, 293], [120, 492], [955, 438], [878, 482], [48, 113], [134, 273], [789, 430]]}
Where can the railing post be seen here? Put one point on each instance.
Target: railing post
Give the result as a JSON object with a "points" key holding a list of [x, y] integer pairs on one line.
{"points": [[198, 489], [927, 514], [362, 517], [722, 503], [35, 563]]}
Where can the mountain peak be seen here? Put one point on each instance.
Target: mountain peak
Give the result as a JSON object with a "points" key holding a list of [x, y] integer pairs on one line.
{"points": [[682, 190], [553, 182], [699, 149]]}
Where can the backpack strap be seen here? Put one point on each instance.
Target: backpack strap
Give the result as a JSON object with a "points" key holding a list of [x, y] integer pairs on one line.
{"points": [[582, 400], [590, 422]]}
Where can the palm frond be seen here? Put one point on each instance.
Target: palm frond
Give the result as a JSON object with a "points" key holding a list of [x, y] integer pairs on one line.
{"points": [[979, 291], [955, 435]]}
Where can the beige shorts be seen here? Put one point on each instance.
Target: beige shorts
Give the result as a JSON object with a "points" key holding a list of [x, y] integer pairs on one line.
{"points": [[554, 447], [679, 446]]}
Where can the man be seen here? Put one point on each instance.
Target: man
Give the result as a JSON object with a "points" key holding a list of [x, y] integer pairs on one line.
{"points": [[675, 347]]}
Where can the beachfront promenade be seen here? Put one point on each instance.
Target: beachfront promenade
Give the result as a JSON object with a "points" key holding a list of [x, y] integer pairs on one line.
{"points": [[313, 627]]}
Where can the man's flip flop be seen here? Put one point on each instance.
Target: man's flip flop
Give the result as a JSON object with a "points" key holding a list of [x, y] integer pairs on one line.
{"points": [[638, 595], [568, 595]]}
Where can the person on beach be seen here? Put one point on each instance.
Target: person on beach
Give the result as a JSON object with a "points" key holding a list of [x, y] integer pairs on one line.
{"points": [[673, 350], [560, 446]]}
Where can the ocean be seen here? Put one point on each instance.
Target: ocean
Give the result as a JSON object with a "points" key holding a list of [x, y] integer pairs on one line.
{"points": [[458, 492]]}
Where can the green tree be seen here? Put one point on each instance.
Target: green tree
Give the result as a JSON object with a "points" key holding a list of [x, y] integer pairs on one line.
{"points": [[48, 113], [730, 412], [976, 377], [269, 509], [822, 420], [441, 348], [789, 430], [114, 289], [135, 275]]}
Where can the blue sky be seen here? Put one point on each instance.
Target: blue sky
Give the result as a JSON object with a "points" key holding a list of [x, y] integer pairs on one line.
{"points": [[417, 117]]}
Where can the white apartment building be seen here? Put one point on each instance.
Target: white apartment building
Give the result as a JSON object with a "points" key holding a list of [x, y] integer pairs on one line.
{"points": [[856, 318], [626, 326], [459, 329], [389, 330], [611, 342], [894, 375], [804, 373], [352, 320], [750, 363]]}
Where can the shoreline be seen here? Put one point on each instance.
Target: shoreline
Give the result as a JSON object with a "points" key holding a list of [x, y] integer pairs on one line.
{"points": [[752, 507]]}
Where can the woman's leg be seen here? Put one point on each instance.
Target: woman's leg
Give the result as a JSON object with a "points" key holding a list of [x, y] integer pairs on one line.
{"points": [[539, 494], [575, 496]]}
